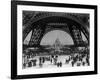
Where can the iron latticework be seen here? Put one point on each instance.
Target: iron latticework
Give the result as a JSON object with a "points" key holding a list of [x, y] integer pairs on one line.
{"points": [[42, 22]]}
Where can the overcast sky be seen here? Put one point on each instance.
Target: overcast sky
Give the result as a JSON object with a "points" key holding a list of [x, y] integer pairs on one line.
{"points": [[51, 37]]}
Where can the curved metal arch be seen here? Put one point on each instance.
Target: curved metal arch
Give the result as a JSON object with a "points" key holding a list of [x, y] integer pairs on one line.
{"points": [[41, 22], [47, 15], [46, 19]]}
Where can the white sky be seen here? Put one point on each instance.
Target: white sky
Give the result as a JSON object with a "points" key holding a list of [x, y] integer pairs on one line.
{"points": [[27, 39], [51, 36]]}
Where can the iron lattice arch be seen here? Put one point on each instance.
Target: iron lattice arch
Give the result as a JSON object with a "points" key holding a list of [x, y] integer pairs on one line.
{"points": [[42, 22]]}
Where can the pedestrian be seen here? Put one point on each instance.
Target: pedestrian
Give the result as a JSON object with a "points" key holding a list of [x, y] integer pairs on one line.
{"points": [[60, 64]]}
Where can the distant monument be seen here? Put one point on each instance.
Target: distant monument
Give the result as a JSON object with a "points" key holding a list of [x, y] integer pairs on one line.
{"points": [[57, 45]]}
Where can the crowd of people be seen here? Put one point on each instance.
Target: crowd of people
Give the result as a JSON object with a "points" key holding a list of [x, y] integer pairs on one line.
{"points": [[76, 59]]}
